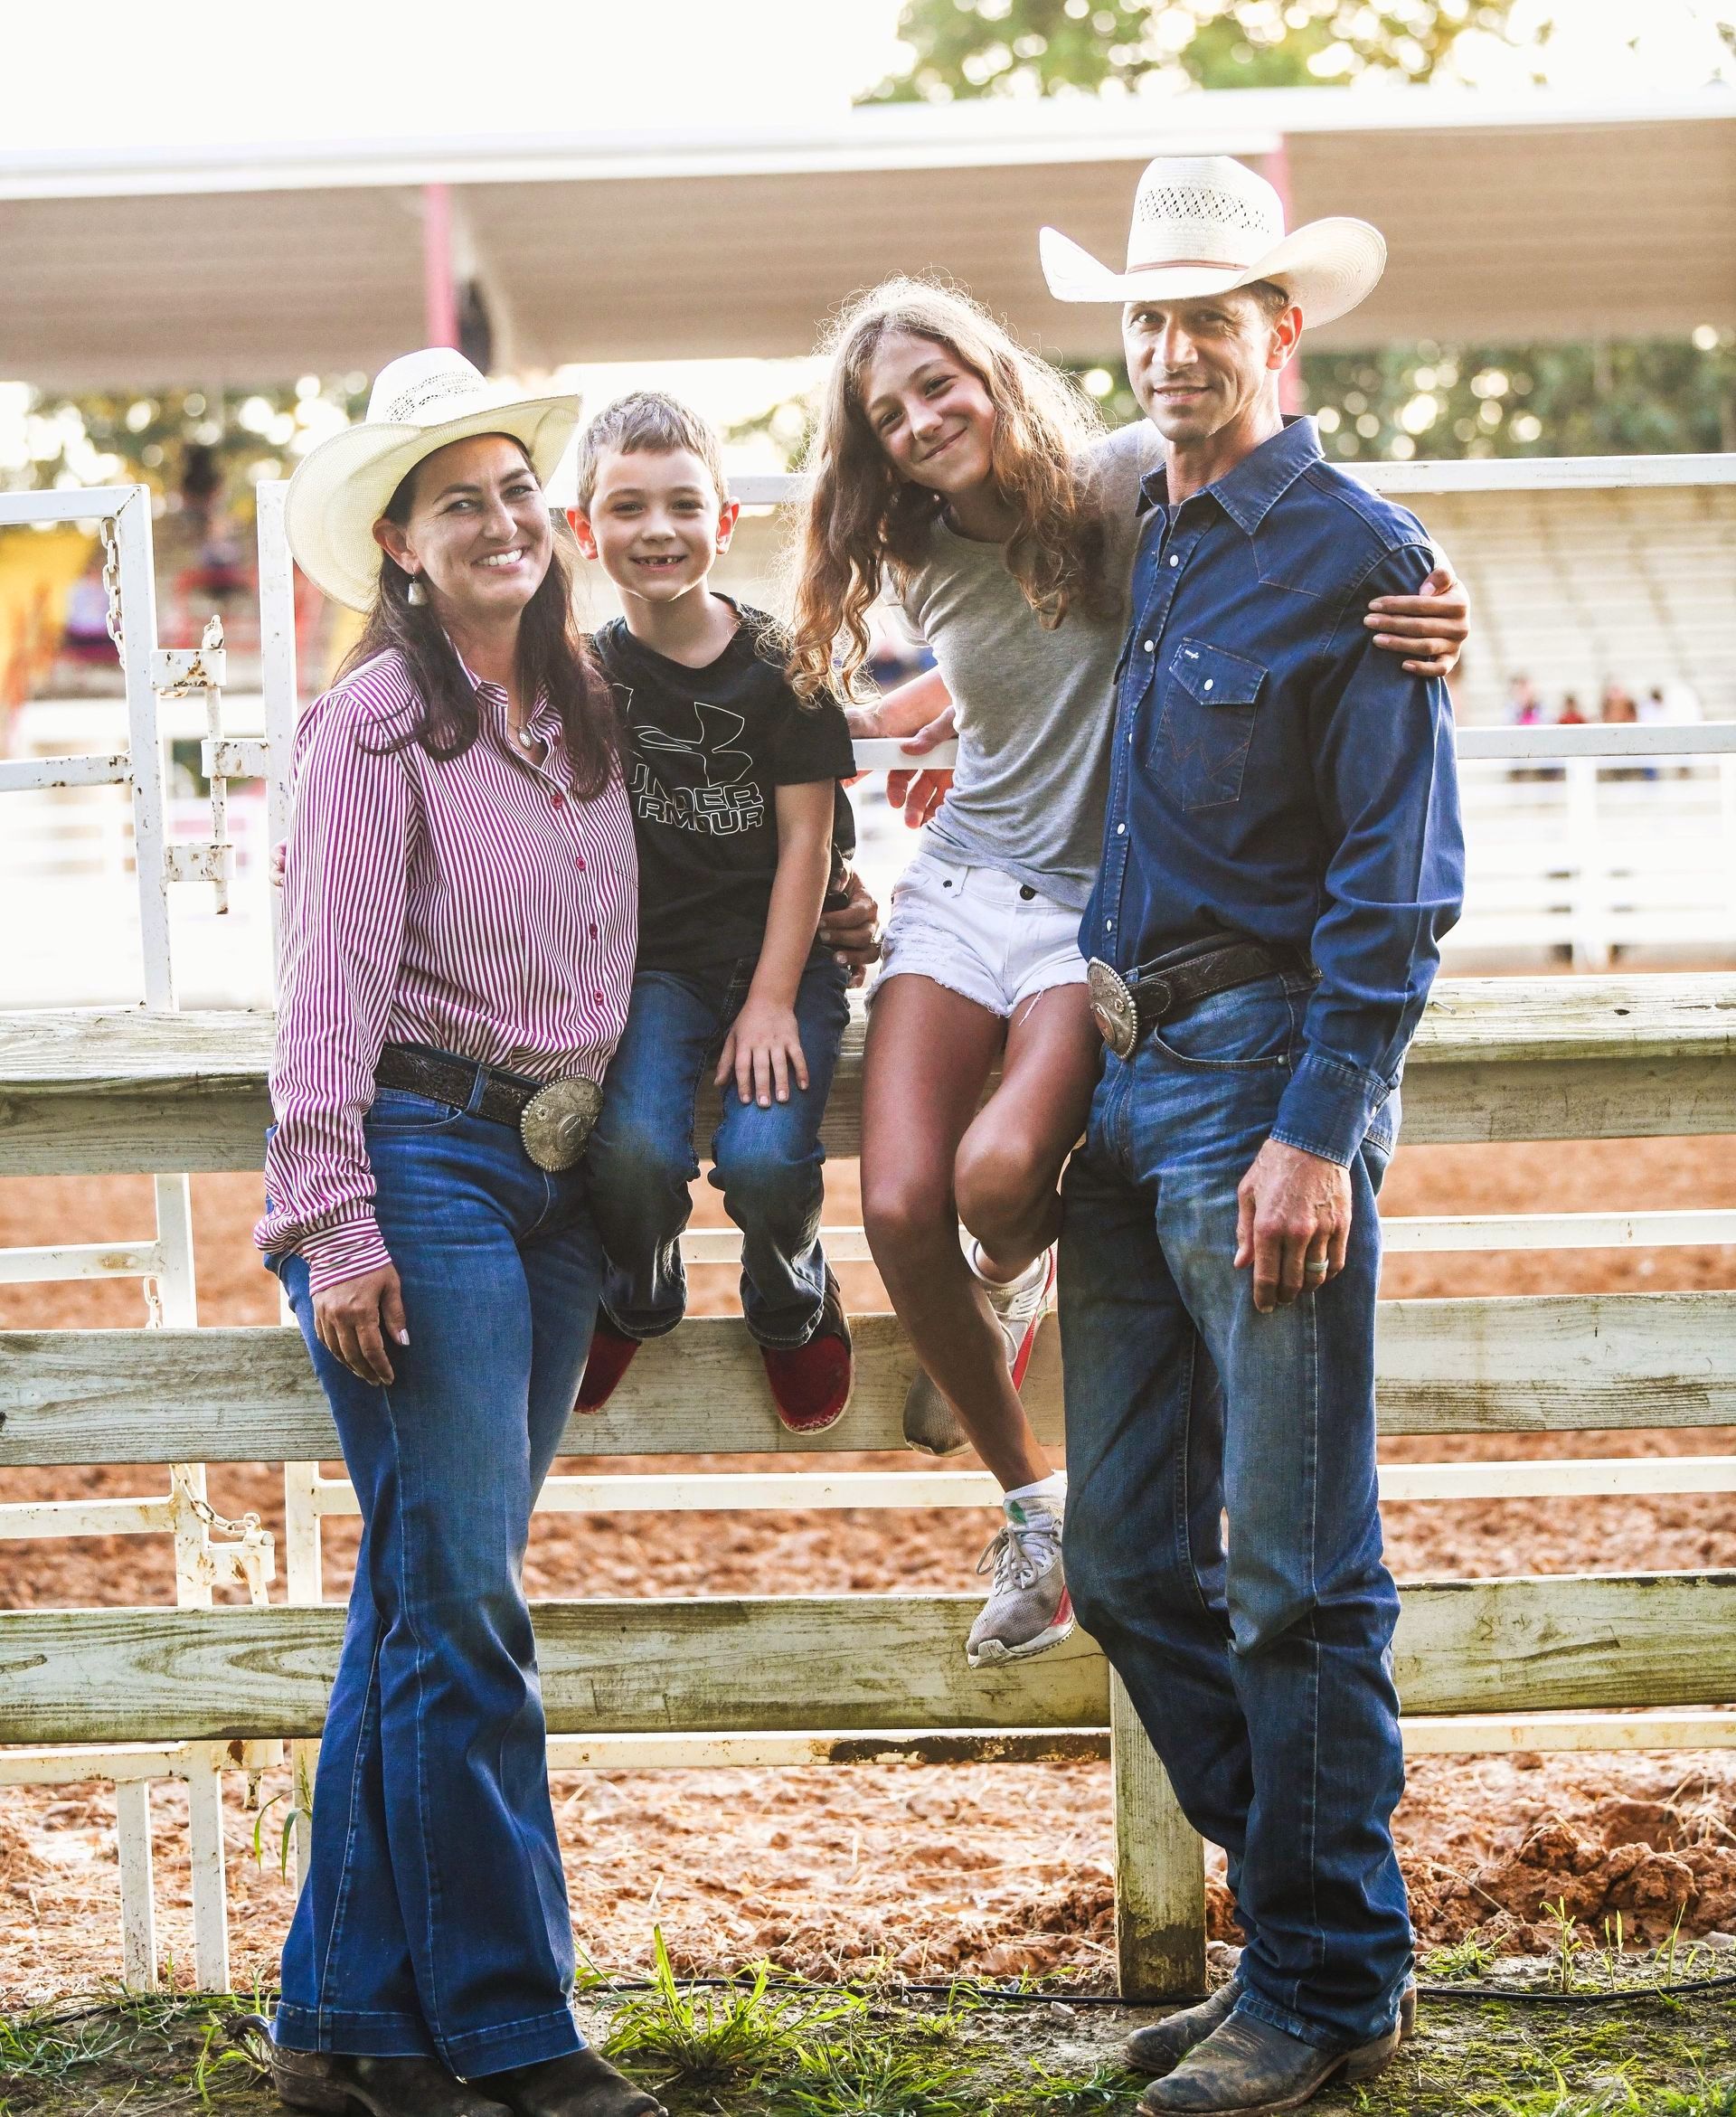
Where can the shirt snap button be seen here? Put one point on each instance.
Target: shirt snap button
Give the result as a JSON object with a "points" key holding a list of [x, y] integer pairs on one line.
{"points": [[1173, 560], [1149, 648], [1026, 892], [1208, 682], [1119, 830], [557, 801]]}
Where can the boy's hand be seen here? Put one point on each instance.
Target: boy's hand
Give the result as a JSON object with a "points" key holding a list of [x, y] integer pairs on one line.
{"points": [[852, 930], [763, 1049], [279, 861], [1430, 628]]}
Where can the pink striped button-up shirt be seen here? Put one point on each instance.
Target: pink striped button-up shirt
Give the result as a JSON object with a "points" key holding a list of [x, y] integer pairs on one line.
{"points": [[472, 904]]}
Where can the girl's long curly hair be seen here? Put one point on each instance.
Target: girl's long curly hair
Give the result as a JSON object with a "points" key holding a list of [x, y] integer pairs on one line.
{"points": [[862, 518], [553, 657]]}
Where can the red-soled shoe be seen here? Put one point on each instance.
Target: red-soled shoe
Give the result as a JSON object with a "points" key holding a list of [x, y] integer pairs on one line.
{"points": [[612, 1354], [811, 1383]]}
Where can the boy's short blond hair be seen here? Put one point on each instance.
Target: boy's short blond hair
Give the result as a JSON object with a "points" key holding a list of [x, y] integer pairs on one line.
{"points": [[648, 422]]}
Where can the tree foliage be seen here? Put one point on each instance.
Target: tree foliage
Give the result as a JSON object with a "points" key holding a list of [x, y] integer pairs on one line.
{"points": [[967, 49]]}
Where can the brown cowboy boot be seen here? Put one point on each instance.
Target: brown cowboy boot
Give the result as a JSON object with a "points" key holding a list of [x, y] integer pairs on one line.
{"points": [[1247, 2068], [581, 2084], [1161, 2046]]}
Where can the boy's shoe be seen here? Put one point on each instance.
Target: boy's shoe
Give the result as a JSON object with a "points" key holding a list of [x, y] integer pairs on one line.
{"points": [[1247, 2068], [1161, 2047], [811, 1383], [930, 1423], [612, 1354], [1029, 1607]]}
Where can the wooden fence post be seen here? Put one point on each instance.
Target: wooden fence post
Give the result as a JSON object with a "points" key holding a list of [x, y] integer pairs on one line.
{"points": [[1159, 1870]]}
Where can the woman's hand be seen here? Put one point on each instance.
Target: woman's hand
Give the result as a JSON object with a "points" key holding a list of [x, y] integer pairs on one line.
{"points": [[763, 1049], [852, 928], [354, 1318], [279, 861], [920, 793], [1430, 628]]}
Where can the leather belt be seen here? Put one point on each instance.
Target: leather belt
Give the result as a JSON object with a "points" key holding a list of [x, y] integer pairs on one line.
{"points": [[1125, 1008], [553, 1119]]}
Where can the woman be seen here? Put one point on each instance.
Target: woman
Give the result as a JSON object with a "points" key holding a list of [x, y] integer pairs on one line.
{"points": [[458, 932], [958, 467]]}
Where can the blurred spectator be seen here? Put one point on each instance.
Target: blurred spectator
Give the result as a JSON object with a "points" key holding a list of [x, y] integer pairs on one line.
{"points": [[1570, 715], [1525, 707], [1619, 708]]}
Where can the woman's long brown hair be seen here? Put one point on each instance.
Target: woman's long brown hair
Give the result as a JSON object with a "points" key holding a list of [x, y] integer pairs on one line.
{"points": [[553, 659], [862, 517]]}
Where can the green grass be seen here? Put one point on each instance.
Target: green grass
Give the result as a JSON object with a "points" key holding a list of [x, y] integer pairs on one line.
{"points": [[753, 2049]]}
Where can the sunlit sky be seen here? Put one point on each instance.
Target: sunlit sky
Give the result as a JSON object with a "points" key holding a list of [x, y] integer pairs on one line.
{"points": [[131, 72]]}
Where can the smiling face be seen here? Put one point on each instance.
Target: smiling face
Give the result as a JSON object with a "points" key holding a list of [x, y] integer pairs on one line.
{"points": [[655, 522], [930, 412], [1200, 368], [476, 533]]}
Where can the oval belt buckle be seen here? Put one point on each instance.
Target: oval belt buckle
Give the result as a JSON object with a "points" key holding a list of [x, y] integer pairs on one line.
{"points": [[1112, 1008], [556, 1123]]}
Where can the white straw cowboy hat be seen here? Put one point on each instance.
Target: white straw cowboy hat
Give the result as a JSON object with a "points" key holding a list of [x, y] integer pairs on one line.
{"points": [[419, 403], [1204, 225]]}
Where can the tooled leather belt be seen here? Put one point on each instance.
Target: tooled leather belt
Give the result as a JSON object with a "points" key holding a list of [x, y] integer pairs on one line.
{"points": [[553, 1119], [1125, 1008]]}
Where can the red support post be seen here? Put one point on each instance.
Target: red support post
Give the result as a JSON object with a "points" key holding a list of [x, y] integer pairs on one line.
{"points": [[439, 291], [1278, 175]]}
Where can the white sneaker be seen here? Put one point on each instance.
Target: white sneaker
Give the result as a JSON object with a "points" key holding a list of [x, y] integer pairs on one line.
{"points": [[930, 1423], [1029, 1608]]}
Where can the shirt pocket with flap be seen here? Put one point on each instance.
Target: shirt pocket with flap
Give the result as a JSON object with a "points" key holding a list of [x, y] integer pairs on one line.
{"points": [[1200, 751]]}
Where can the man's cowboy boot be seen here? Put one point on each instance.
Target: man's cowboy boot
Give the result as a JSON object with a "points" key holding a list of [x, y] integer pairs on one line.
{"points": [[1161, 2045], [1247, 2068], [582, 2084], [384, 2087]]}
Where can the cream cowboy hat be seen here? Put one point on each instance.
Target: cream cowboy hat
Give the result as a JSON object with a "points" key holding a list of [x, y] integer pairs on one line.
{"points": [[1203, 225], [418, 403]]}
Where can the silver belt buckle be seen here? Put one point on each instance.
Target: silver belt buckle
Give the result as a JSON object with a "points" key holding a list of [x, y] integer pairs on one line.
{"points": [[1112, 1008], [556, 1123]]}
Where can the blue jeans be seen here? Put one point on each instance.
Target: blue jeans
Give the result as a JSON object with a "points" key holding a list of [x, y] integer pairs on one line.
{"points": [[765, 1162], [433, 1920], [1261, 1673]]}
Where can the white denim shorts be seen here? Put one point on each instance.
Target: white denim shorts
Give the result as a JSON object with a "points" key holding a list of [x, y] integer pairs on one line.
{"points": [[979, 933]]}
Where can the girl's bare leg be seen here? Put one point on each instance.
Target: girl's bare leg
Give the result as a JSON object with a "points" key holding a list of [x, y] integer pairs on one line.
{"points": [[929, 1052], [1010, 1158]]}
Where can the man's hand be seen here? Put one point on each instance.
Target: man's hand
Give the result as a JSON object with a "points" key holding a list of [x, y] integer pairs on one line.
{"points": [[355, 1319], [920, 793], [1431, 628], [852, 931], [1292, 1223]]}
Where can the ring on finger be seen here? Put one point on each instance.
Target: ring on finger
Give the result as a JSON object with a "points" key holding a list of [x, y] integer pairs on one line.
{"points": [[1316, 1268]]}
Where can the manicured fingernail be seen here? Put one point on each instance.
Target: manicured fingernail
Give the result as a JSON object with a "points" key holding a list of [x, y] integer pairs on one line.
{"points": [[403, 1338]]}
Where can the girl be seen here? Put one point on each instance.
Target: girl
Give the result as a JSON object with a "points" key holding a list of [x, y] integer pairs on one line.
{"points": [[459, 925], [976, 480]]}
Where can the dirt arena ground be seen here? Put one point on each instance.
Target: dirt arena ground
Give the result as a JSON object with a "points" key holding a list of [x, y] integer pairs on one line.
{"points": [[988, 1869]]}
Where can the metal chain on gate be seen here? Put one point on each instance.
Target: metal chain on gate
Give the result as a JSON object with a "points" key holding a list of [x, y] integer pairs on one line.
{"points": [[111, 585], [253, 1558]]}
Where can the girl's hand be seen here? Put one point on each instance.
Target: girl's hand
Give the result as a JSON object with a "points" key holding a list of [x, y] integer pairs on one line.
{"points": [[279, 861], [763, 1049], [920, 793], [354, 1319], [1432, 628]]}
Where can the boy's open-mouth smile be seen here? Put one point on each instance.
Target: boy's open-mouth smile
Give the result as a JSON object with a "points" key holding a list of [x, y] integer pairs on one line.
{"points": [[662, 562]]}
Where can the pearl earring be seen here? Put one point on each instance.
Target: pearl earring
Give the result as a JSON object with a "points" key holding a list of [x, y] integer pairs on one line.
{"points": [[416, 595]]}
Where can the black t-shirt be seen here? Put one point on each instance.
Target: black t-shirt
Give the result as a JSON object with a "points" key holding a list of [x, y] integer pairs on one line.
{"points": [[706, 750]]}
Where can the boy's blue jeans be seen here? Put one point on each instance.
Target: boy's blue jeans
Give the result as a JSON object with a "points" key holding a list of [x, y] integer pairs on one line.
{"points": [[1262, 1674], [433, 1920], [765, 1162]]}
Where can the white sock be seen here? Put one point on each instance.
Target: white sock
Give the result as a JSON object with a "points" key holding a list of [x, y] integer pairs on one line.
{"points": [[974, 1259], [1053, 1486]]}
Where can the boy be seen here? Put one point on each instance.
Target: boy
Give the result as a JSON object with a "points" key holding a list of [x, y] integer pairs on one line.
{"points": [[736, 809]]}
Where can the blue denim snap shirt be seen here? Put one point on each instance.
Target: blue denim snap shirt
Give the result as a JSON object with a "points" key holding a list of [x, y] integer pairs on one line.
{"points": [[1276, 774]]}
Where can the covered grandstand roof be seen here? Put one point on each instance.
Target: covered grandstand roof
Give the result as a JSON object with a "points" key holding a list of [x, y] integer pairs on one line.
{"points": [[1538, 219]]}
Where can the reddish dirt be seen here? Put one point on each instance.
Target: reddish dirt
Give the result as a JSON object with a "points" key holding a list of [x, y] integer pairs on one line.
{"points": [[993, 1869]]}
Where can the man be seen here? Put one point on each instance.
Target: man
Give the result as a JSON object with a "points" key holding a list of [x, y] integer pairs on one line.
{"points": [[1282, 856]]}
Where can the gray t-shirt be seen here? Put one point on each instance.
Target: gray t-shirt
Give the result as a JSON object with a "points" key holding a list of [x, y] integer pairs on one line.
{"points": [[1035, 708]]}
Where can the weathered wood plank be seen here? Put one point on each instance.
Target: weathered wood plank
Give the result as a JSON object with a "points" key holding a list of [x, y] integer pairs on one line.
{"points": [[871, 1662], [1495, 1058], [1159, 1870], [1516, 1363]]}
